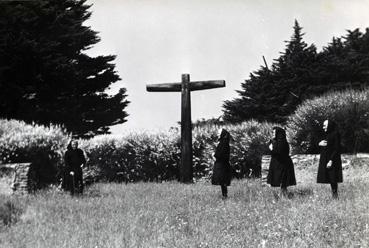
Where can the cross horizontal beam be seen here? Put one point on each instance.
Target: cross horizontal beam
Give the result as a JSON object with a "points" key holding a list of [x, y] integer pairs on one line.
{"points": [[166, 87], [177, 87]]}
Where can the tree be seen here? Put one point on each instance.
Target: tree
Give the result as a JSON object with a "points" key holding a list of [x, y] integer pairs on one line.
{"points": [[294, 74], [344, 63], [271, 95], [301, 73], [45, 74], [253, 101]]}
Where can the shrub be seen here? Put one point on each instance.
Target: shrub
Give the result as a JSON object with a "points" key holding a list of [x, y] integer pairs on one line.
{"points": [[248, 144], [350, 109], [155, 157], [136, 156], [19, 141], [43, 146]]}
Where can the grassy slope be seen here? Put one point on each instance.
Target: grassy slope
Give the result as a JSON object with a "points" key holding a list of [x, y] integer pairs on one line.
{"points": [[177, 215]]}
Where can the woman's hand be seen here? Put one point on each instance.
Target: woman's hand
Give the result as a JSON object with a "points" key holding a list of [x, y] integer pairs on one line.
{"points": [[329, 164], [323, 143], [271, 147]]}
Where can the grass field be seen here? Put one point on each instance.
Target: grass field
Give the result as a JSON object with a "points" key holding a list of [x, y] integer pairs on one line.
{"points": [[177, 215]]}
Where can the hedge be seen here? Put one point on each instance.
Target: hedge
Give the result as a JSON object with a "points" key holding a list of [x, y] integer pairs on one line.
{"points": [[350, 109], [153, 157]]}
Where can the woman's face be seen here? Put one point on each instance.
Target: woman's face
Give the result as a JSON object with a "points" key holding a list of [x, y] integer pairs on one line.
{"points": [[74, 144], [325, 125], [219, 132], [274, 133]]}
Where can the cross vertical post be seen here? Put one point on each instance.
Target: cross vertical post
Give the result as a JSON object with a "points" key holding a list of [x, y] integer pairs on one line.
{"points": [[186, 132]]}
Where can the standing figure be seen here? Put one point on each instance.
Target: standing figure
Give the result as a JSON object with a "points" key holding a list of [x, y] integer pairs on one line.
{"points": [[74, 161], [330, 164], [281, 170], [222, 169]]}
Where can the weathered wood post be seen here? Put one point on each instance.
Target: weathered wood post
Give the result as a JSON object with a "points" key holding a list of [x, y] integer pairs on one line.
{"points": [[185, 87], [186, 132]]}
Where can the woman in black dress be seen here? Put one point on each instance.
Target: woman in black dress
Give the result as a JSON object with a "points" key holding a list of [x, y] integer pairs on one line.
{"points": [[330, 164], [74, 161], [222, 169], [281, 170]]}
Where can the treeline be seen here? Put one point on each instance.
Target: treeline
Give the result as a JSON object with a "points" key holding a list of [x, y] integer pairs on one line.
{"points": [[301, 73]]}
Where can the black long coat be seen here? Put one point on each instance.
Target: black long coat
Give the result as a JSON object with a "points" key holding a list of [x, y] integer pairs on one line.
{"points": [[281, 169], [73, 158], [330, 152], [222, 169]]}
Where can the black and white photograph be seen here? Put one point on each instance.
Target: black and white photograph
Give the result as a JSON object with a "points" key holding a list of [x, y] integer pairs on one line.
{"points": [[184, 123]]}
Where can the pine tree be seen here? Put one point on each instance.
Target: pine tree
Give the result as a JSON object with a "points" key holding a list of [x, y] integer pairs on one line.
{"points": [[294, 73], [271, 95], [344, 63], [46, 75], [253, 97]]}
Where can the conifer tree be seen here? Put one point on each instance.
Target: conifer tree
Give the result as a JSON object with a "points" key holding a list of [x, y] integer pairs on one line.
{"points": [[46, 75], [271, 95], [344, 63], [294, 73]]}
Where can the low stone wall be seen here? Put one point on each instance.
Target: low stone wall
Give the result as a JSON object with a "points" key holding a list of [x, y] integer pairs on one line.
{"points": [[14, 178], [311, 161]]}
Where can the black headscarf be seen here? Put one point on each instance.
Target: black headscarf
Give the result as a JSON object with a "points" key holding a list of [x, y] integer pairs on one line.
{"points": [[332, 126], [225, 136], [280, 133], [69, 147]]}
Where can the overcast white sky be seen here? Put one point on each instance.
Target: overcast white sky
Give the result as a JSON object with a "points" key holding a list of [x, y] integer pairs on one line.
{"points": [[158, 40]]}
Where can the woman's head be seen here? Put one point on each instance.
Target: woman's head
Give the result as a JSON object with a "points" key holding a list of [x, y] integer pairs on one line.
{"points": [[73, 144], [279, 133], [329, 126], [224, 135]]}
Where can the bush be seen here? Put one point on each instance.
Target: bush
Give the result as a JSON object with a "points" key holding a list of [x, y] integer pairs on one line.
{"points": [[43, 146], [350, 109], [137, 156], [156, 157], [249, 143]]}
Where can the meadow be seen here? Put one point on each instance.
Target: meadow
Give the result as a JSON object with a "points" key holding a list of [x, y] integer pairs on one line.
{"points": [[171, 214]]}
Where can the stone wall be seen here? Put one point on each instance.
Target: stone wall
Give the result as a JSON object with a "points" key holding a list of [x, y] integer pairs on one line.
{"points": [[14, 178], [311, 161]]}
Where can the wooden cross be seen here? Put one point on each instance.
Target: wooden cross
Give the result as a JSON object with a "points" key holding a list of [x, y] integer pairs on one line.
{"points": [[185, 87]]}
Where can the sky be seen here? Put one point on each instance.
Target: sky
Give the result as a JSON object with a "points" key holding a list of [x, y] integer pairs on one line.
{"points": [[156, 41]]}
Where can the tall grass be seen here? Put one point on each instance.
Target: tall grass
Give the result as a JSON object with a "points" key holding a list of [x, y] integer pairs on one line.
{"points": [[176, 215]]}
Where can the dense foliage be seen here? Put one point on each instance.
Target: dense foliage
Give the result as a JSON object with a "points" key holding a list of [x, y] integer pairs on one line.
{"points": [[152, 157], [137, 156], [349, 109], [301, 73], [156, 156], [45, 74], [20, 142], [42, 146]]}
